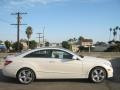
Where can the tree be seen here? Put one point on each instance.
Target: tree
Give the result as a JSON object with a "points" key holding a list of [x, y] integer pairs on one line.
{"points": [[47, 44], [66, 45], [81, 38], [110, 33], [117, 28], [32, 44], [114, 34], [8, 44], [100, 44], [70, 40], [115, 47], [1, 42], [119, 33], [14, 46], [23, 40], [29, 33]]}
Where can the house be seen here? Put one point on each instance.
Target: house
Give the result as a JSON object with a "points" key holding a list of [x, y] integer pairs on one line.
{"points": [[74, 47], [55, 45], [86, 42], [25, 46]]}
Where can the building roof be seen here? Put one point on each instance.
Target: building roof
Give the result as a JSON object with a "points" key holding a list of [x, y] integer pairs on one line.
{"points": [[87, 40]]}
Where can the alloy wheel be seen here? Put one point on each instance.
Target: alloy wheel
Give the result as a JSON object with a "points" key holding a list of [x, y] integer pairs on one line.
{"points": [[98, 75], [25, 76]]}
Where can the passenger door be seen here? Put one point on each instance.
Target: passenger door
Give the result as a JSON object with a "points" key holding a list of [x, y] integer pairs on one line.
{"points": [[64, 65]]}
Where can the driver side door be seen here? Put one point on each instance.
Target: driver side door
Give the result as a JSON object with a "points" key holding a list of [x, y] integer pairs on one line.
{"points": [[65, 65]]}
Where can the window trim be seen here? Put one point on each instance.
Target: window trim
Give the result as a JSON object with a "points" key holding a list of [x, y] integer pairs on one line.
{"points": [[51, 54], [34, 52]]}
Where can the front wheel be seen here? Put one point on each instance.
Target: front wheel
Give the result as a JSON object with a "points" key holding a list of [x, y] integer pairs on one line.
{"points": [[25, 76], [98, 75]]}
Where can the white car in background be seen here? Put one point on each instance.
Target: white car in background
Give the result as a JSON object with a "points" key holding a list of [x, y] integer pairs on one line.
{"points": [[55, 63]]}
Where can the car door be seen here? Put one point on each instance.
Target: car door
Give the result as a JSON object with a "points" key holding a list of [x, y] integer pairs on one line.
{"points": [[62, 63]]}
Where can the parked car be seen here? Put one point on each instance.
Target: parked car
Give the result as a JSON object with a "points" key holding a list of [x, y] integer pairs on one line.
{"points": [[3, 48], [55, 63]]}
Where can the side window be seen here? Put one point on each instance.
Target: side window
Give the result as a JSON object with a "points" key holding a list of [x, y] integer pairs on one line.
{"points": [[61, 54], [39, 54]]}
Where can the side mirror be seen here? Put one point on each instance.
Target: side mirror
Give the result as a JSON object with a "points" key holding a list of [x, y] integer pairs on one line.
{"points": [[75, 58]]}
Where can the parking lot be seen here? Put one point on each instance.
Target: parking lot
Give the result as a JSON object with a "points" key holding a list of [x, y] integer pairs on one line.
{"points": [[81, 84]]}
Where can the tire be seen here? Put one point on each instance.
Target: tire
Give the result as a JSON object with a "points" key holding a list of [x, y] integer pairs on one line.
{"points": [[98, 75], [25, 76]]}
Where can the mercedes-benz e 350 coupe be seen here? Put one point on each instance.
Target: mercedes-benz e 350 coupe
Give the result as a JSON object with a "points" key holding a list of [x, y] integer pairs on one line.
{"points": [[55, 63]]}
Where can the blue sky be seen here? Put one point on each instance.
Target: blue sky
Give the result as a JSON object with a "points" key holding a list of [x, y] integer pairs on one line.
{"points": [[63, 19]]}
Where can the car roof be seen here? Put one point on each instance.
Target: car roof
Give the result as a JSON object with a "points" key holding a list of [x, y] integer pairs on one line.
{"points": [[50, 48], [43, 48]]}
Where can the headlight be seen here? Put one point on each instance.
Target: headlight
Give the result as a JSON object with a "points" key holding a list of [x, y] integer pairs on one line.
{"points": [[108, 64]]}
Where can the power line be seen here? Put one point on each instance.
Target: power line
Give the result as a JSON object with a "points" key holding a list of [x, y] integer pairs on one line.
{"points": [[19, 17]]}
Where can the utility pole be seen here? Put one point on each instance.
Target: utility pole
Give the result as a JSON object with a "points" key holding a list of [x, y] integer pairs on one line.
{"points": [[18, 26], [43, 36], [39, 36]]}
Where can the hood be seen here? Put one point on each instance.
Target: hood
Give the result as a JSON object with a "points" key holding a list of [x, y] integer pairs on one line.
{"points": [[95, 59]]}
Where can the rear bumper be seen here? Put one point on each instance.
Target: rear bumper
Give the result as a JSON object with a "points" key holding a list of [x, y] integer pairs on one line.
{"points": [[8, 72]]}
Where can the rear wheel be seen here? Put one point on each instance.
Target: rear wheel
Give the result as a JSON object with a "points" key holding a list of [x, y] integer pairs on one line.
{"points": [[25, 76], [98, 75]]}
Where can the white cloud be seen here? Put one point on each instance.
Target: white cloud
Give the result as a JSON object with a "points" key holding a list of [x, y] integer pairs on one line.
{"points": [[93, 1], [13, 5], [21, 2]]}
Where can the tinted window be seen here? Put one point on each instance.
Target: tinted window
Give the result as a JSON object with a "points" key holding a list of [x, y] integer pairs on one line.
{"points": [[40, 54]]}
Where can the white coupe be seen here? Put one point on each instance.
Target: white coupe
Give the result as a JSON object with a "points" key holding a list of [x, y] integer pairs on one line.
{"points": [[55, 63]]}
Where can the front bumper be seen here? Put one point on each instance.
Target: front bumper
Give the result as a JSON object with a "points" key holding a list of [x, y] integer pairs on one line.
{"points": [[109, 72]]}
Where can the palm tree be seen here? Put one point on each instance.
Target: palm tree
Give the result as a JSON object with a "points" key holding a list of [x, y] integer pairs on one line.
{"points": [[119, 33], [117, 28], [114, 34], [29, 33], [110, 33], [74, 39]]}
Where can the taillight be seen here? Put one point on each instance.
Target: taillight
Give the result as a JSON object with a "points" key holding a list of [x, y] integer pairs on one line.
{"points": [[7, 62]]}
